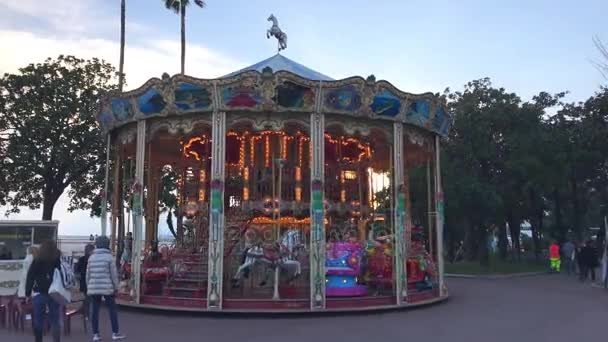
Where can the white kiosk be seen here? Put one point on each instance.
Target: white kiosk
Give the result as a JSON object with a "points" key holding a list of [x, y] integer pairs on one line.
{"points": [[15, 237]]}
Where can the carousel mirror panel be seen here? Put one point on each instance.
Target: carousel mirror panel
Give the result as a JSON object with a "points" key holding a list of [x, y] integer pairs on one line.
{"points": [[359, 194], [267, 201], [419, 171], [176, 200]]}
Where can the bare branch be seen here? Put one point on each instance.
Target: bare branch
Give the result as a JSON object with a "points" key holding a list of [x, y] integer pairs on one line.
{"points": [[602, 66]]}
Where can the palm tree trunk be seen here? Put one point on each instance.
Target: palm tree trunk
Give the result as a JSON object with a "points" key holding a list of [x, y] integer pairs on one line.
{"points": [[121, 63], [183, 23]]}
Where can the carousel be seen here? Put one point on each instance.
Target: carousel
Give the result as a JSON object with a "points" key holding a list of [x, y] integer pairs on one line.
{"points": [[275, 188]]}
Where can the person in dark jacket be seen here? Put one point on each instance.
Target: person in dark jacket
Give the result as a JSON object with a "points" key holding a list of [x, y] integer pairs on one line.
{"points": [[81, 271], [38, 281], [588, 261]]}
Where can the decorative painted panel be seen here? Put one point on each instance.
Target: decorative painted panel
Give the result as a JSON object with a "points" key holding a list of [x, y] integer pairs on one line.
{"points": [[343, 99], [106, 120], [151, 102], [121, 108], [275, 92], [191, 96], [419, 113], [245, 94], [386, 103], [442, 121], [292, 95]]}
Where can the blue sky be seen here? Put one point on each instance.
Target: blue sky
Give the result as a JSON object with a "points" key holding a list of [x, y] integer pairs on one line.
{"points": [[420, 46]]}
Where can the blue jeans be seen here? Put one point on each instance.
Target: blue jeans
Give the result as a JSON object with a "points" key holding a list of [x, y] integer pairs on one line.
{"points": [[111, 304], [40, 303]]}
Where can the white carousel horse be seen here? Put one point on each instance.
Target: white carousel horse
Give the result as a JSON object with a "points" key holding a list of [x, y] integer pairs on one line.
{"points": [[284, 256], [276, 32]]}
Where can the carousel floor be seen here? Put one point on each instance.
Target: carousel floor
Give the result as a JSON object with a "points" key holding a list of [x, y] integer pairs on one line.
{"points": [[354, 304]]}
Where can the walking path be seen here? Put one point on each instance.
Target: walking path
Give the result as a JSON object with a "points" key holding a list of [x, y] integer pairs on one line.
{"points": [[542, 308]]}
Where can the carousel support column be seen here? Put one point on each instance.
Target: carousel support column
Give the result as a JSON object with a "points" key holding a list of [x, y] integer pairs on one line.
{"points": [[317, 229], [216, 213], [115, 202], [439, 216], [137, 210], [150, 200], [429, 207], [399, 216], [104, 194]]}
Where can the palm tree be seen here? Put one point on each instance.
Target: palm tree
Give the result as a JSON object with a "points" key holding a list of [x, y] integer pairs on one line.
{"points": [[179, 7], [121, 63]]}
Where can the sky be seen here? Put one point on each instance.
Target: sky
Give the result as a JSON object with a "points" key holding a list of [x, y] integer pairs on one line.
{"points": [[419, 46]]}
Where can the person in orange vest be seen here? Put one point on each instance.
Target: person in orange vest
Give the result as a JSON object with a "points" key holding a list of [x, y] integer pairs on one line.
{"points": [[554, 258]]}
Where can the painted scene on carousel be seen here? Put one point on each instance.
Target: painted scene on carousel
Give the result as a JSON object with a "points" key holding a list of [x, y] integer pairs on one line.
{"points": [[275, 85]]}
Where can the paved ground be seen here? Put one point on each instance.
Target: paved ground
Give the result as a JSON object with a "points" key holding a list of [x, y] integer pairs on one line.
{"points": [[540, 308]]}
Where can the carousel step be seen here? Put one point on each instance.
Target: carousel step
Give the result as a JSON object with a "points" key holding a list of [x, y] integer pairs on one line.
{"points": [[189, 280], [186, 289], [190, 274], [198, 276]]}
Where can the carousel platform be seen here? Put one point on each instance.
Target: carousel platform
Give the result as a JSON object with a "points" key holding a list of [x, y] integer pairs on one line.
{"points": [[270, 306]]}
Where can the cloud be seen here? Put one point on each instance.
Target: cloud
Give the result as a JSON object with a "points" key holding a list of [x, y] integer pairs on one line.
{"points": [[60, 15], [31, 31], [143, 59]]}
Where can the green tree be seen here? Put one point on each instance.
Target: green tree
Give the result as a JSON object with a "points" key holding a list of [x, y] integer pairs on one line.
{"points": [[473, 159], [168, 196], [179, 7], [53, 140], [4, 131]]}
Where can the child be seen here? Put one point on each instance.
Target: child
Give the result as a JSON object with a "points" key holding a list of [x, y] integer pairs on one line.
{"points": [[554, 258]]}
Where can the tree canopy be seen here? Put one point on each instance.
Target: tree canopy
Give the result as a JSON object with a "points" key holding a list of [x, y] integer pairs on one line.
{"points": [[509, 161], [51, 140]]}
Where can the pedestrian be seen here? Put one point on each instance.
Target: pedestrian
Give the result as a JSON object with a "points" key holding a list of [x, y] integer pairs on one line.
{"points": [[568, 251], [588, 261], [39, 279], [554, 258], [81, 272], [102, 282], [31, 254], [578, 255]]}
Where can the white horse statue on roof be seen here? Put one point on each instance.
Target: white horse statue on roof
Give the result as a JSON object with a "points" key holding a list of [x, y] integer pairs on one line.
{"points": [[276, 32]]}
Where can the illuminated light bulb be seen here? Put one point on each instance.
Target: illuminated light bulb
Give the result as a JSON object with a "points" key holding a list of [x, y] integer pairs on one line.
{"points": [[242, 154], [298, 174], [252, 151], [284, 147], [344, 281], [267, 151], [300, 151]]}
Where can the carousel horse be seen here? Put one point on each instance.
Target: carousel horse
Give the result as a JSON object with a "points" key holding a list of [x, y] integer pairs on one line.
{"points": [[276, 32], [283, 254]]}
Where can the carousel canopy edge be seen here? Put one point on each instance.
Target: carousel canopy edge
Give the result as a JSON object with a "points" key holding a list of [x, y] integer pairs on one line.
{"points": [[282, 91]]}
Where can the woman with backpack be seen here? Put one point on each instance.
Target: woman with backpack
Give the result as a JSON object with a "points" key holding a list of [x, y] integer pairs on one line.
{"points": [[38, 280]]}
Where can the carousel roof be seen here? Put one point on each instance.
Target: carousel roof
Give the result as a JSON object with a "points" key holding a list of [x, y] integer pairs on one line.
{"points": [[278, 85], [279, 62]]}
